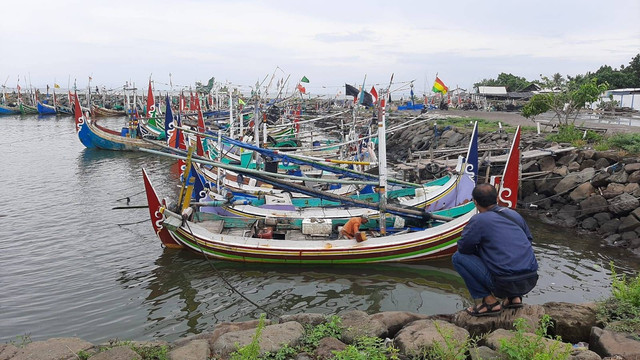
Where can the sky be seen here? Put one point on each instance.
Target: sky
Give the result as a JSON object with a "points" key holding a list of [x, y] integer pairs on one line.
{"points": [[329, 42]]}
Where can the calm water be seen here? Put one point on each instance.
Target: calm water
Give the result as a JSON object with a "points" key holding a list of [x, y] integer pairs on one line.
{"points": [[72, 266]]}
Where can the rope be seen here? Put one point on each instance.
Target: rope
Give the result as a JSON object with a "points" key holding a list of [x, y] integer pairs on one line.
{"points": [[233, 288]]}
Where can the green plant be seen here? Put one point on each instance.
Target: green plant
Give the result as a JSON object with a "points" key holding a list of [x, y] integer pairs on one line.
{"points": [[148, 352], [525, 346], [366, 348], [251, 351], [313, 335], [570, 134], [21, 340], [83, 355], [621, 312], [284, 353], [451, 349], [628, 142]]}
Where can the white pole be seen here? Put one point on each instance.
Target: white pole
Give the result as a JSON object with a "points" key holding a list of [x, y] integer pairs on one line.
{"points": [[382, 166], [230, 114]]}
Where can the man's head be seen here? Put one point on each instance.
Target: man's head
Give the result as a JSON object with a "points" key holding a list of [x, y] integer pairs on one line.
{"points": [[485, 195], [365, 218]]}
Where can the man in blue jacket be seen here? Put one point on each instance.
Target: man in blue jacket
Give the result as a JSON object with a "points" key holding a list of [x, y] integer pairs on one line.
{"points": [[495, 257]]}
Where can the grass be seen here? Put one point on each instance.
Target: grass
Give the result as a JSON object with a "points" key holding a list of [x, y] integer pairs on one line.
{"points": [[526, 346], [621, 311], [451, 349]]}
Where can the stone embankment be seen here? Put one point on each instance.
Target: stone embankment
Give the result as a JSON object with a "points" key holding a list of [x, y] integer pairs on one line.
{"points": [[410, 333], [595, 191]]}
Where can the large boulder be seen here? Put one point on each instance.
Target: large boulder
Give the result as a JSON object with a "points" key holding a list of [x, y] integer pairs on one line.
{"points": [[582, 192], [55, 348], [356, 324], [593, 204], [572, 322], [608, 343], [574, 179], [623, 204], [423, 334], [620, 177], [632, 167], [613, 190], [478, 326], [393, 321], [272, 338]]}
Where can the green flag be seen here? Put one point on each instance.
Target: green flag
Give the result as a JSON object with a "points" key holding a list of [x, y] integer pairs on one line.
{"points": [[304, 79]]}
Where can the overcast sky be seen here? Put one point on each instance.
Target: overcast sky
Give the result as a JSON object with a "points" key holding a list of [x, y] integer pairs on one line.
{"points": [[329, 42]]}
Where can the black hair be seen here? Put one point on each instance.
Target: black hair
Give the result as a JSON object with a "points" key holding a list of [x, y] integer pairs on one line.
{"points": [[485, 195]]}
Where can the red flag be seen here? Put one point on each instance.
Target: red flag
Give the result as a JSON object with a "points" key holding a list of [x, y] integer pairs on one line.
{"points": [[201, 129], [374, 93], [301, 89], [151, 104]]}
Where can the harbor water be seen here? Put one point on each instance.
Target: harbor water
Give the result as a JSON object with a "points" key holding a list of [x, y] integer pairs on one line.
{"points": [[73, 266]]}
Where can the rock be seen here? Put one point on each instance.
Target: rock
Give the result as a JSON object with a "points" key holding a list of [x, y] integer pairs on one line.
{"points": [[567, 215], [305, 319], [583, 354], [327, 346], [531, 166], [486, 353], [630, 188], [628, 223], [601, 179], [118, 353], [574, 166], [393, 321], [601, 164], [423, 334], [561, 171], [447, 134], [478, 326], [587, 164], [619, 177], [632, 167], [493, 340], [612, 239], [7, 351], [572, 322], [602, 217], [546, 185], [634, 243], [593, 204], [623, 204], [607, 343], [541, 201], [627, 235], [588, 154], [567, 159], [609, 227], [613, 190], [634, 177], [527, 188], [547, 163], [610, 155], [582, 192], [55, 348], [589, 224], [356, 324], [227, 327], [304, 356], [574, 179], [636, 213], [454, 140], [194, 350], [271, 339]]}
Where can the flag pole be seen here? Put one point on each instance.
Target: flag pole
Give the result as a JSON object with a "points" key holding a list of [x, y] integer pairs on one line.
{"points": [[382, 161]]}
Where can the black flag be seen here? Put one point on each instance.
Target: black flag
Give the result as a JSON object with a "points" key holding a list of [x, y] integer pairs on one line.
{"points": [[350, 90]]}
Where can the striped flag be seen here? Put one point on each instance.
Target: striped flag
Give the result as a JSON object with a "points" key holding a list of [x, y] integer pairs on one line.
{"points": [[439, 86]]}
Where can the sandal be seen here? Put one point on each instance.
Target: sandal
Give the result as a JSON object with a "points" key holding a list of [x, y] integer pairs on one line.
{"points": [[476, 310], [509, 304]]}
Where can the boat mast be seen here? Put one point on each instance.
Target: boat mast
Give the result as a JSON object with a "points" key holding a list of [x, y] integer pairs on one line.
{"points": [[382, 159]]}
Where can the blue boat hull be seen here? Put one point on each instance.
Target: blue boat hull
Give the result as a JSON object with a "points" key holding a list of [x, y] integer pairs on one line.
{"points": [[8, 110], [44, 109]]}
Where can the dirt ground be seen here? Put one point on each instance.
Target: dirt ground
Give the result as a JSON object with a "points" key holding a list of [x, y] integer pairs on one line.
{"points": [[613, 125]]}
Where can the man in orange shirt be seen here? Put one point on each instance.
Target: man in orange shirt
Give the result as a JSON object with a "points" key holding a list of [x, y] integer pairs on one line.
{"points": [[352, 227]]}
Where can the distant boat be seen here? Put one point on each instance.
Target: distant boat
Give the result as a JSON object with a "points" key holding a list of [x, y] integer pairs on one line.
{"points": [[9, 110], [46, 109]]}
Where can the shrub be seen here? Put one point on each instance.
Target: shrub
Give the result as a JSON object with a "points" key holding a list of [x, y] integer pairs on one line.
{"points": [[621, 312], [523, 346], [628, 142], [451, 349]]}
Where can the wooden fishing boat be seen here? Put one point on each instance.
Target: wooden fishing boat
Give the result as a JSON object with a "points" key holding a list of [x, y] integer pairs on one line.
{"points": [[28, 109], [46, 109], [99, 111], [9, 110], [93, 135], [261, 240]]}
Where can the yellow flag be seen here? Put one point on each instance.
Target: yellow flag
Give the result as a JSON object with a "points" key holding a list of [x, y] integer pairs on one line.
{"points": [[56, 86], [240, 101]]}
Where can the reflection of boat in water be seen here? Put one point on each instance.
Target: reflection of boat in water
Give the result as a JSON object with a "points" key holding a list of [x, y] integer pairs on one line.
{"points": [[184, 292]]}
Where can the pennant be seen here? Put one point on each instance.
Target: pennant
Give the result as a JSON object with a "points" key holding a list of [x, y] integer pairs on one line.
{"points": [[374, 93], [439, 86], [304, 80], [241, 102], [351, 91], [301, 89]]}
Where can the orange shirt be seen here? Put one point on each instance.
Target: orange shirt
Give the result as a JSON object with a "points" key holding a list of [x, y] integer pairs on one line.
{"points": [[352, 227]]}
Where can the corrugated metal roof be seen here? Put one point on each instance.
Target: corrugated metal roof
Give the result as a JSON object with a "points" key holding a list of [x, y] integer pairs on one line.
{"points": [[492, 90]]}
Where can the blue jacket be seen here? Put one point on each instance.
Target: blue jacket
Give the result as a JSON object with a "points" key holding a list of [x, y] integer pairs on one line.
{"points": [[504, 246]]}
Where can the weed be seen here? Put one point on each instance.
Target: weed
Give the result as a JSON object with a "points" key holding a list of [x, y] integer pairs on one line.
{"points": [[21, 340], [251, 351], [523, 346], [313, 335], [621, 312], [451, 349], [83, 355], [367, 348]]}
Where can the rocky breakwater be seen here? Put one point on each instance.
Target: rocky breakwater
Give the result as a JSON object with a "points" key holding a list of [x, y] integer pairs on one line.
{"points": [[595, 191], [412, 335]]}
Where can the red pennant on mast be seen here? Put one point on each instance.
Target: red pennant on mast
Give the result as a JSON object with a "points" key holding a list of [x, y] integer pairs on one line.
{"points": [[151, 104]]}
